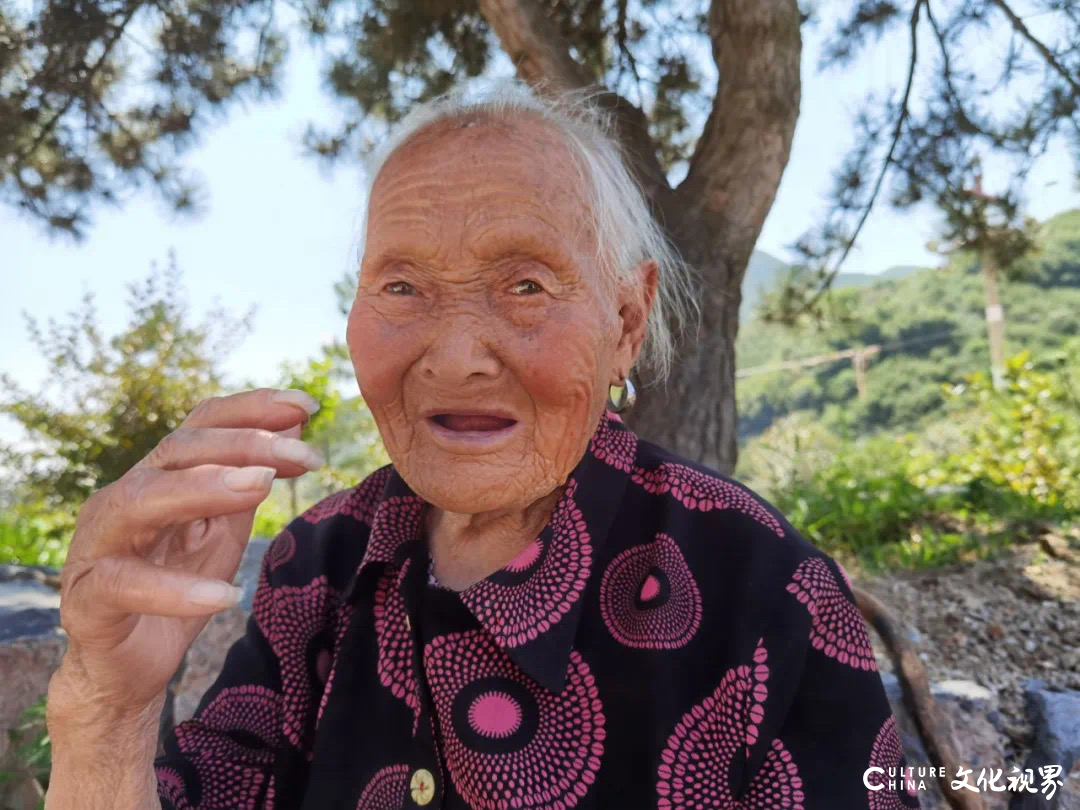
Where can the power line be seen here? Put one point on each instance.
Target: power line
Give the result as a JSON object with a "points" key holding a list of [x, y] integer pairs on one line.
{"points": [[865, 351]]}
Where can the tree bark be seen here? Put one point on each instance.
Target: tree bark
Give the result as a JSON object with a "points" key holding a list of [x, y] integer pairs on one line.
{"points": [[715, 215]]}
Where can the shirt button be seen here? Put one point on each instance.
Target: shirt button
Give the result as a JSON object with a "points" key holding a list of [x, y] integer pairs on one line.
{"points": [[422, 786]]}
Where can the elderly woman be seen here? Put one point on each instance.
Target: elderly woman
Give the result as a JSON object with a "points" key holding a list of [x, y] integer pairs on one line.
{"points": [[530, 607]]}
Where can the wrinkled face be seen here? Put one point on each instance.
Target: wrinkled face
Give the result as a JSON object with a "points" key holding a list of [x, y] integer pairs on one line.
{"points": [[483, 337]]}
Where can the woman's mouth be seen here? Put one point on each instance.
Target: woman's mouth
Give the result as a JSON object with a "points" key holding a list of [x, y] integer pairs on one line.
{"points": [[471, 432], [471, 421]]}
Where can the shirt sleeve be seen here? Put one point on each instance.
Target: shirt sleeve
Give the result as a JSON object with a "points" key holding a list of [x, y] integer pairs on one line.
{"points": [[223, 756], [831, 738]]}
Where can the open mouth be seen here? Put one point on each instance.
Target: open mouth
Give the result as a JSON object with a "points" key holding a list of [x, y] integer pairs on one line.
{"points": [[467, 422]]}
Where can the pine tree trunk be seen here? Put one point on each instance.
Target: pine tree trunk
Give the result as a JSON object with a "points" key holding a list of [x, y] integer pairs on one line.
{"points": [[694, 413]]}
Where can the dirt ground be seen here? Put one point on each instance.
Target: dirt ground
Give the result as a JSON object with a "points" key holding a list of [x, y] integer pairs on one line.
{"points": [[998, 623]]}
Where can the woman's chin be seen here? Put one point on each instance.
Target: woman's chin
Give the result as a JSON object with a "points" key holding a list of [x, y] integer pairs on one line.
{"points": [[470, 485]]}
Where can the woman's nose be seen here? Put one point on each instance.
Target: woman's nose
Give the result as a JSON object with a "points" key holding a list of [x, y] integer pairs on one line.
{"points": [[460, 349]]}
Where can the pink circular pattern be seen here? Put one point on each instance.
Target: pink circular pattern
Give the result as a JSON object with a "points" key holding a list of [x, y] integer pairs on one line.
{"points": [[171, 787], [395, 642], [648, 597], [255, 710], [518, 605], [837, 627], [357, 502], [697, 490], [548, 760], [386, 790], [281, 550], [696, 765], [887, 752], [230, 774], [396, 521], [615, 446], [495, 714], [296, 621]]}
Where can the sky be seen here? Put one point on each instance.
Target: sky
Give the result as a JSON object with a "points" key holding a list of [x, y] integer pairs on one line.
{"points": [[279, 231]]}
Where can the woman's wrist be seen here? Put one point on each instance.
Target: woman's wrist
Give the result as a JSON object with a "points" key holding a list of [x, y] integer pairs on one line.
{"points": [[102, 751]]}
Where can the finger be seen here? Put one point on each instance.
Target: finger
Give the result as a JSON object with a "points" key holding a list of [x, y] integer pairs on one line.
{"points": [[267, 408], [114, 587], [293, 432], [147, 500], [235, 447]]}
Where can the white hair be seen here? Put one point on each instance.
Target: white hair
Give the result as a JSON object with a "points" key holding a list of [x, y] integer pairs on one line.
{"points": [[625, 230]]}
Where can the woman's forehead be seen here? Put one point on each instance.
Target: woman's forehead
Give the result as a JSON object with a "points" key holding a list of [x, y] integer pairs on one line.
{"points": [[453, 177], [453, 155]]}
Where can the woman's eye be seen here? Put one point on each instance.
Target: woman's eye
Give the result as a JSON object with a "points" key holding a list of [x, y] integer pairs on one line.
{"points": [[527, 287], [400, 288]]}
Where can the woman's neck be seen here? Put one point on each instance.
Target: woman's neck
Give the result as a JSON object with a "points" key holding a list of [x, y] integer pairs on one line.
{"points": [[467, 548]]}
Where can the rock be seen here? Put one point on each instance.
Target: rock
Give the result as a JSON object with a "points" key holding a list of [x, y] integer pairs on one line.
{"points": [[967, 713], [1055, 720], [31, 642], [207, 654]]}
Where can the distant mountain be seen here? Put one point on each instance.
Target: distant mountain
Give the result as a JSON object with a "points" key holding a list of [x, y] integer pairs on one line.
{"points": [[765, 272]]}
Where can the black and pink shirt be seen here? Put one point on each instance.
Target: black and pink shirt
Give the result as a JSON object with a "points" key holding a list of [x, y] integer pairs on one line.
{"points": [[667, 641]]}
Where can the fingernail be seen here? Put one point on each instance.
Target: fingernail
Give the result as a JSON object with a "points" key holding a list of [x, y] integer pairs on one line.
{"points": [[213, 593], [294, 396], [248, 479], [297, 452]]}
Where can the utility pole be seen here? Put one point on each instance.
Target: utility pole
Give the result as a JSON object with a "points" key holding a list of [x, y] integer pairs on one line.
{"points": [[995, 315]]}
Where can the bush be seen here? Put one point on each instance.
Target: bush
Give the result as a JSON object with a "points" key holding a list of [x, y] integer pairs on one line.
{"points": [[1022, 441], [1001, 459], [41, 539]]}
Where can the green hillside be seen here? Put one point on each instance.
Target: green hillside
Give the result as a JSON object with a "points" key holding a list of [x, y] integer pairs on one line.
{"points": [[931, 329]]}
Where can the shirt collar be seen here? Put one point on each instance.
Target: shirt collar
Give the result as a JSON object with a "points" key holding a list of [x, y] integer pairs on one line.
{"points": [[533, 606]]}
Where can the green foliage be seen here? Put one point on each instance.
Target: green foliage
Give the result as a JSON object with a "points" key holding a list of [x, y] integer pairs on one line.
{"points": [[33, 537], [107, 402], [31, 757], [270, 518], [342, 430], [956, 491], [1024, 439]]}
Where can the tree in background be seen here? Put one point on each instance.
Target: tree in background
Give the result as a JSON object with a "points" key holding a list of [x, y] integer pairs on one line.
{"points": [[100, 95], [107, 401]]}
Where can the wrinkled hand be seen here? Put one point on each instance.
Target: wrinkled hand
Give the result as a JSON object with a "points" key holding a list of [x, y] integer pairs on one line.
{"points": [[154, 553]]}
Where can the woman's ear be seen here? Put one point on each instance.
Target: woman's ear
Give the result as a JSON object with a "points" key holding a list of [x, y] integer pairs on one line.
{"points": [[636, 297]]}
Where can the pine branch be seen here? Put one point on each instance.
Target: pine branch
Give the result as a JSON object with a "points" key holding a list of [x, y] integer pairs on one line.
{"points": [[1046, 53], [534, 44], [808, 305], [898, 129], [50, 125]]}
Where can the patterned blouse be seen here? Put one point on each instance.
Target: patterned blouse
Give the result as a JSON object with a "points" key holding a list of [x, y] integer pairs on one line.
{"points": [[667, 641]]}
